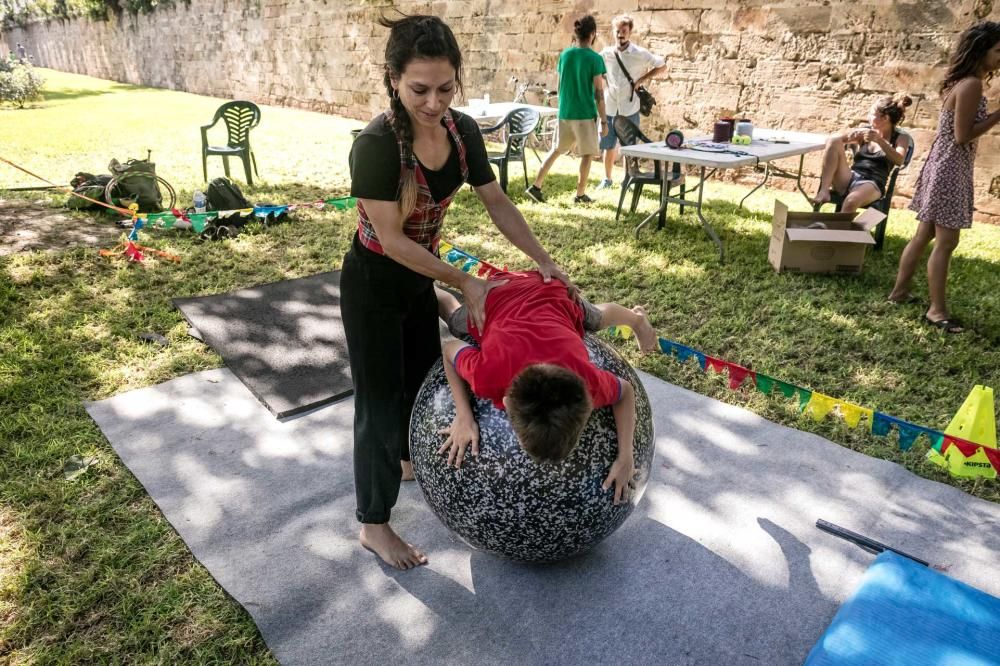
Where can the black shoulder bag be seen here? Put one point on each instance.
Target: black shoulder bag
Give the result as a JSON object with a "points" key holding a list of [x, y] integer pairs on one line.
{"points": [[646, 100]]}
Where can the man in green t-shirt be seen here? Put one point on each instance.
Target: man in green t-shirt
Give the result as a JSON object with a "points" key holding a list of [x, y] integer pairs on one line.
{"points": [[581, 108]]}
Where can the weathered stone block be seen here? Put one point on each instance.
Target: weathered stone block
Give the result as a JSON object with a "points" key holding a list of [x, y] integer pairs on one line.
{"points": [[674, 21], [801, 19]]}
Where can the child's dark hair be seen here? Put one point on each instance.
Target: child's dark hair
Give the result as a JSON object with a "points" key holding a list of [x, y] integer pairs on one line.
{"points": [[548, 408], [969, 53], [583, 28], [411, 38], [894, 108]]}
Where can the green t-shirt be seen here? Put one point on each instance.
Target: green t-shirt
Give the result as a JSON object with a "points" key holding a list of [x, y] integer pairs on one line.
{"points": [[577, 68]]}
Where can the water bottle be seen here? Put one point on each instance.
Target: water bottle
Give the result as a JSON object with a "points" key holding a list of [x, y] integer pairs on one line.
{"points": [[200, 202]]}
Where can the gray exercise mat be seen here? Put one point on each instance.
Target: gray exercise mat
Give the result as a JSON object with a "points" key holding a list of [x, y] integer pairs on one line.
{"points": [[719, 564], [284, 340]]}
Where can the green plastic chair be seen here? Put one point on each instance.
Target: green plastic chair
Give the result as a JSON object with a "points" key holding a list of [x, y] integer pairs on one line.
{"points": [[240, 117]]}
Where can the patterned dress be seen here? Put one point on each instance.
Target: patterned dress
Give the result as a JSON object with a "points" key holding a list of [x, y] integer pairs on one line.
{"points": [[944, 191]]}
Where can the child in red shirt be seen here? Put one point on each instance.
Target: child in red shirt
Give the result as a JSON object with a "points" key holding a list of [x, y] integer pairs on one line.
{"points": [[530, 360]]}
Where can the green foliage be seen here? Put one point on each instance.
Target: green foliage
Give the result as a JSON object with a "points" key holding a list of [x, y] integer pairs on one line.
{"points": [[21, 12], [19, 82]]}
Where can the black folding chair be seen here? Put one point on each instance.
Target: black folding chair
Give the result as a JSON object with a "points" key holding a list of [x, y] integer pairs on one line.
{"points": [[517, 126], [885, 203], [629, 134]]}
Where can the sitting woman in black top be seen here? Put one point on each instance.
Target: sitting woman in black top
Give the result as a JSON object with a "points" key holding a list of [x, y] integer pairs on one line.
{"points": [[877, 149], [406, 167]]}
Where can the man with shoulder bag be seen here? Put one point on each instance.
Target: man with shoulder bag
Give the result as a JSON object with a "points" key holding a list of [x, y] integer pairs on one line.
{"points": [[629, 66]]}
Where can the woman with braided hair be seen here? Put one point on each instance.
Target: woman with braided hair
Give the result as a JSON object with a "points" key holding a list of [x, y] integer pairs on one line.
{"points": [[406, 167]]}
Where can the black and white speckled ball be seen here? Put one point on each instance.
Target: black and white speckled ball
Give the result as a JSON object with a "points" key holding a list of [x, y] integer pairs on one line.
{"points": [[504, 502]]}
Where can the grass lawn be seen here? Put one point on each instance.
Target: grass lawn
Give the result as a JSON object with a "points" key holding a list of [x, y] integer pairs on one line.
{"points": [[90, 570]]}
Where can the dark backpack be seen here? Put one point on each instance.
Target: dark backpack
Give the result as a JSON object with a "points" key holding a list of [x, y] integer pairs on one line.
{"points": [[222, 194], [88, 185]]}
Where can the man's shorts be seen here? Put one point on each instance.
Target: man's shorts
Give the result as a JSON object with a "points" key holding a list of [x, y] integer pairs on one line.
{"points": [[611, 140], [579, 133], [458, 322]]}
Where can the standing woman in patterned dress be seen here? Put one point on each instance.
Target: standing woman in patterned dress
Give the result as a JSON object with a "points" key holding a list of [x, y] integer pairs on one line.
{"points": [[943, 198], [406, 167]]}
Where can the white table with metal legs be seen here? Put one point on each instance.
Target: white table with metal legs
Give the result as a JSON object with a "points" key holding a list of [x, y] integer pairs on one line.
{"points": [[767, 146], [496, 111]]}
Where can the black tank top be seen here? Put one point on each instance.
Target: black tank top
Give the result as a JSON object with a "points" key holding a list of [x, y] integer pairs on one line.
{"points": [[874, 166]]}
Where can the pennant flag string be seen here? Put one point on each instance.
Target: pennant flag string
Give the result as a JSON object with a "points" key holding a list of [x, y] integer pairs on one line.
{"points": [[816, 405]]}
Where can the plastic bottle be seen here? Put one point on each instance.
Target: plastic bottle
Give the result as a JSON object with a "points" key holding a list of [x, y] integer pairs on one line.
{"points": [[744, 127], [200, 202]]}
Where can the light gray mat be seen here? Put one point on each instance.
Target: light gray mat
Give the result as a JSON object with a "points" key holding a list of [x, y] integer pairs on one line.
{"points": [[720, 563]]}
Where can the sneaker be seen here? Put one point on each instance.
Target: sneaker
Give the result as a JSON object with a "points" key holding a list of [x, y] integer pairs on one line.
{"points": [[535, 193], [582, 199], [605, 184]]}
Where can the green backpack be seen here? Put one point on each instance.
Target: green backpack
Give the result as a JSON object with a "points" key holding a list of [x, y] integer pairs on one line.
{"points": [[136, 183]]}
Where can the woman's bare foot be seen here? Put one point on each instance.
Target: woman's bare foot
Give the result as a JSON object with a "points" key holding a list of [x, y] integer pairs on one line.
{"points": [[822, 197], [644, 333], [384, 542], [407, 470]]}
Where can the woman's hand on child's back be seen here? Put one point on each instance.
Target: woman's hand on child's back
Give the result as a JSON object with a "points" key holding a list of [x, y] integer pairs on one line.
{"points": [[475, 290], [621, 474], [463, 432], [550, 269]]}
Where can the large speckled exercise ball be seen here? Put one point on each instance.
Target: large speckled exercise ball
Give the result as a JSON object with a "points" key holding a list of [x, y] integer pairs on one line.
{"points": [[504, 502]]}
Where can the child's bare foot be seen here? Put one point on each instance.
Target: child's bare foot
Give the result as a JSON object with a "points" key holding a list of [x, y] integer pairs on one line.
{"points": [[644, 333], [407, 470], [384, 542]]}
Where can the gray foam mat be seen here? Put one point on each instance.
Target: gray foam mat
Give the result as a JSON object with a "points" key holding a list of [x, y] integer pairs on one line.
{"points": [[284, 340], [719, 564]]}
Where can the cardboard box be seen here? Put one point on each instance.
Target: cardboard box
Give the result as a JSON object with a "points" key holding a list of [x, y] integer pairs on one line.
{"points": [[836, 244]]}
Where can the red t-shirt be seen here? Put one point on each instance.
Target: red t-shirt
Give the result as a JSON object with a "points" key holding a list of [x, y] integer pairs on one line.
{"points": [[528, 322]]}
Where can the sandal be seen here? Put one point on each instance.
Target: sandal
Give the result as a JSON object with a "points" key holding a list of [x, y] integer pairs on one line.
{"points": [[909, 300], [949, 325]]}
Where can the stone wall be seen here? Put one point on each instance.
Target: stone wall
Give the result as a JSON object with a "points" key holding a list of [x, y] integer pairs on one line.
{"points": [[805, 65]]}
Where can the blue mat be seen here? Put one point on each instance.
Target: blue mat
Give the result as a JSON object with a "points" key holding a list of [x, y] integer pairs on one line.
{"points": [[904, 613]]}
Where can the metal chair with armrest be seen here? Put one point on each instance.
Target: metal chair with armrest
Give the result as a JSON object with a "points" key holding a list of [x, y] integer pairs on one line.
{"points": [[885, 203], [629, 134], [517, 126]]}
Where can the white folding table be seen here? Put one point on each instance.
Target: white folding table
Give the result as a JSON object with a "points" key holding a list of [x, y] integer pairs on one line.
{"points": [[496, 111], [767, 146]]}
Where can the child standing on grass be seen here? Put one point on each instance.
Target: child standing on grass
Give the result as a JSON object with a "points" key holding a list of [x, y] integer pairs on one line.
{"points": [[530, 360], [943, 197]]}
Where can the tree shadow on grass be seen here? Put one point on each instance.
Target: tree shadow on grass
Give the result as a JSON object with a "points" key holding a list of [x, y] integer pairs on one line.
{"points": [[60, 94]]}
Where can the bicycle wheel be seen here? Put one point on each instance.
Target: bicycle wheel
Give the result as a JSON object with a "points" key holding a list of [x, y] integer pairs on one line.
{"points": [[118, 193]]}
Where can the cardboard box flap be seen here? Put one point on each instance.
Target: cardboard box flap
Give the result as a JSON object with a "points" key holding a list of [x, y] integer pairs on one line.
{"points": [[869, 219], [804, 217], [829, 236]]}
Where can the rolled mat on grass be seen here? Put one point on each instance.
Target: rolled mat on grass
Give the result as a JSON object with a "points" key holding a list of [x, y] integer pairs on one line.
{"points": [[284, 340], [719, 564], [906, 613]]}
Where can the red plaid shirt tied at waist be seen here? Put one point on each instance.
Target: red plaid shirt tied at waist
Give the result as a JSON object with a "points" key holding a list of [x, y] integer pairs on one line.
{"points": [[423, 226]]}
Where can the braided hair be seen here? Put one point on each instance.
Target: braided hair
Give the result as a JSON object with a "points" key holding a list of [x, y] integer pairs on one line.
{"points": [[410, 38], [969, 54]]}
